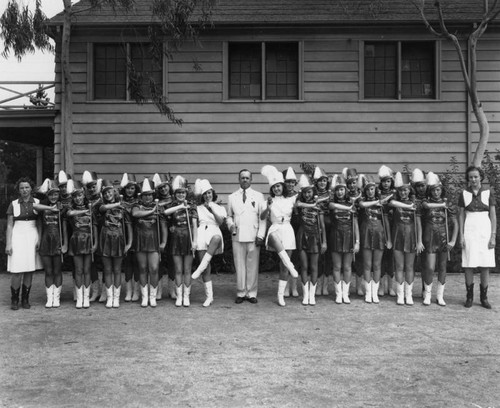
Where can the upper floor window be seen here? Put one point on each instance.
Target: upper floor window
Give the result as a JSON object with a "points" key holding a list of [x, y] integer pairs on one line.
{"points": [[400, 70], [113, 77], [263, 70]]}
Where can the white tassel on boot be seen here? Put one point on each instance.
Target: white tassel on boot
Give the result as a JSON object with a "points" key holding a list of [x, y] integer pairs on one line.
{"points": [[368, 291], [159, 289], [305, 293], [50, 296], [178, 294], [79, 297], [295, 292], [128, 291], [57, 296], [400, 293], [86, 297], [109, 297], [153, 294], [281, 292], [409, 293], [136, 293], [95, 290], [326, 281], [338, 292], [205, 261], [209, 293], [345, 291], [116, 296], [145, 296], [185, 298], [312, 294], [427, 294], [440, 294], [374, 287], [288, 264]]}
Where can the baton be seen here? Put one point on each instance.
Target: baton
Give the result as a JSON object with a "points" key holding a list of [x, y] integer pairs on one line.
{"points": [[415, 222], [158, 227], [60, 234], [189, 228], [318, 225], [91, 234], [446, 228], [123, 221]]}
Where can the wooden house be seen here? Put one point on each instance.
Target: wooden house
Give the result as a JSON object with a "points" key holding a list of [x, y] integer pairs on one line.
{"points": [[331, 82]]}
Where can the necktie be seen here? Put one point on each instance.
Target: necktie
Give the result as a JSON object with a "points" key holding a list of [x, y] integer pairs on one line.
{"points": [[244, 195]]}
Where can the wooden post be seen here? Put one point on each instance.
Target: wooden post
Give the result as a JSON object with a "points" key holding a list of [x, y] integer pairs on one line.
{"points": [[39, 165]]}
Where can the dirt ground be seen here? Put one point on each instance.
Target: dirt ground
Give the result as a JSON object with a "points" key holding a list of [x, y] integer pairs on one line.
{"points": [[263, 355]]}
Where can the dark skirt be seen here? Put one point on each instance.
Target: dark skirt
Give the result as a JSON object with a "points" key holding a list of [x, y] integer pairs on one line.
{"points": [[434, 238], [341, 238], [80, 244], [180, 242], [403, 238], [111, 243], [146, 240], [50, 244], [308, 241], [372, 235]]}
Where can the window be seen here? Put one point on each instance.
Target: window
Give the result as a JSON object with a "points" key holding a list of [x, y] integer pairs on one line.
{"points": [[112, 76], [400, 70], [277, 78]]}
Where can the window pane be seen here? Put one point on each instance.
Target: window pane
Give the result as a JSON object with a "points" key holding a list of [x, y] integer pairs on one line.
{"points": [[282, 61], [380, 70], [147, 67], [417, 66], [109, 63], [245, 70]]}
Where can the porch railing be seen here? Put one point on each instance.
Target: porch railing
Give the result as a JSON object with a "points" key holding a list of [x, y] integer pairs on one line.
{"points": [[16, 92]]}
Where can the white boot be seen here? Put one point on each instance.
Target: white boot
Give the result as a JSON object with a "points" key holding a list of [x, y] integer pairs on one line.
{"points": [[116, 296], [159, 289], [305, 293], [95, 290], [79, 297], [86, 297], [295, 292], [288, 264], [104, 294], [312, 294], [109, 297], [338, 292], [205, 261], [319, 285], [50, 296], [409, 293], [128, 291], [136, 292], [326, 280], [281, 292], [172, 292], [144, 295], [209, 293], [185, 298], [440, 294], [427, 294], [382, 287], [153, 295], [345, 291], [57, 296], [178, 295], [287, 288], [360, 284], [391, 283], [374, 288], [400, 293], [368, 291]]}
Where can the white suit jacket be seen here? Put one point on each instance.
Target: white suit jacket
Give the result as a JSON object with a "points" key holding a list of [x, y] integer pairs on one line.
{"points": [[246, 216]]}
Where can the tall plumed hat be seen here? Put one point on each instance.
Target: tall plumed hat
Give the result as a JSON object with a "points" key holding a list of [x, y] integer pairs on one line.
{"points": [[62, 178], [384, 172], [432, 181], [48, 186], [179, 183], [289, 174], [89, 177], [417, 176], [201, 186], [127, 179], [318, 173], [349, 174], [74, 187], [147, 186], [99, 184], [304, 182], [367, 181], [273, 175], [160, 179], [106, 185], [401, 180], [338, 180]]}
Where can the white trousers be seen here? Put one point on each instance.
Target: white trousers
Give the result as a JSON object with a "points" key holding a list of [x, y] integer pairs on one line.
{"points": [[246, 261]]}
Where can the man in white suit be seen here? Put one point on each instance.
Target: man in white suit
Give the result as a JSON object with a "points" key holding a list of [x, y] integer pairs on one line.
{"points": [[248, 230]]}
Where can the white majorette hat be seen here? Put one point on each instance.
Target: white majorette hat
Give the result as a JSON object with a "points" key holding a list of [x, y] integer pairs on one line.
{"points": [[74, 187], [304, 182], [273, 175], [319, 173], [61, 178], [367, 181], [417, 176], [127, 179], [433, 181], [48, 186], [179, 183], [289, 174], [337, 181], [201, 186], [147, 186], [384, 172], [89, 177], [349, 173], [401, 180], [160, 179]]}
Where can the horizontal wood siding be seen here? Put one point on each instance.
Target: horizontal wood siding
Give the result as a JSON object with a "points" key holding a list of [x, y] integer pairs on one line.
{"points": [[330, 127]]}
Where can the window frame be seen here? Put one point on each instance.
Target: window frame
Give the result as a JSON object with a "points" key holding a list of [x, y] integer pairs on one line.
{"points": [[399, 98], [300, 72], [90, 73]]}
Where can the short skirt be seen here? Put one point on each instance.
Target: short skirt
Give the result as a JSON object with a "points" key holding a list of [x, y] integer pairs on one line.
{"points": [[205, 234], [25, 257], [180, 242], [434, 238], [372, 235], [341, 239], [403, 238], [111, 243], [80, 243], [50, 244], [146, 240], [285, 234], [477, 233], [309, 242]]}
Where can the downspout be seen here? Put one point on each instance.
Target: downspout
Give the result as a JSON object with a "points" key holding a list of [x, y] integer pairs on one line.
{"points": [[468, 111]]}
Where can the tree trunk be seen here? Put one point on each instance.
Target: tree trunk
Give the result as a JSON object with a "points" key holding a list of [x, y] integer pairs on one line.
{"points": [[484, 134], [66, 95]]}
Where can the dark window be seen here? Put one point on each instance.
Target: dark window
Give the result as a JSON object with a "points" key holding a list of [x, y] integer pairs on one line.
{"points": [[245, 71], [282, 67], [399, 70], [146, 66]]}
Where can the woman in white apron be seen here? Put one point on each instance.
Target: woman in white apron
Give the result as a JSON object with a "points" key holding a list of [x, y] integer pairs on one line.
{"points": [[22, 241]]}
